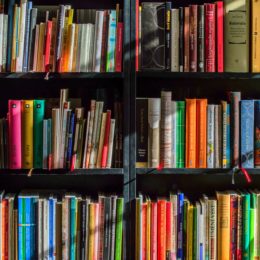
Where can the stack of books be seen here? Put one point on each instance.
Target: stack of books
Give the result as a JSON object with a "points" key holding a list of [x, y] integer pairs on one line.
{"points": [[195, 134], [213, 37], [56, 133], [42, 225], [221, 227], [60, 39]]}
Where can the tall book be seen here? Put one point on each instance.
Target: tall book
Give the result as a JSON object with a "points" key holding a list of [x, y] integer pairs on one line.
{"points": [[201, 38], [220, 36], [119, 228], [257, 134], [153, 35], [193, 35], [191, 133], [247, 133], [111, 44], [27, 134], [180, 134], [210, 136], [246, 225], [141, 128], [186, 39], [236, 16], [161, 229], [175, 40], [255, 36], [168, 7], [181, 38]]}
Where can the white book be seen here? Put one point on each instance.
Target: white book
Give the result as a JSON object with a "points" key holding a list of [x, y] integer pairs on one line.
{"points": [[78, 54], [210, 134], [98, 41], [175, 40], [111, 143], [4, 55], [19, 64], [83, 50], [174, 133], [89, 47], [1, 39], [86, 142], [71, 47]]}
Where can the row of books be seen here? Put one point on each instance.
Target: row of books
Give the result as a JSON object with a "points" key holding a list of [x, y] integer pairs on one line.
{"points": [[53, 39], [213, 37], [42, 225], [68, 139], [222, 227], [195, 134]]}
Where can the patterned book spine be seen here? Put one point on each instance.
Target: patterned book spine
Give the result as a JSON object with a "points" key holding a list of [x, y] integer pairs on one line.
{"points": [[210, 139], [216, 137], [239, 227], [233, 226], [257, 134], [193, 37], [224, 137], [247, 133], [212, 222], [186, 39], [154, 231]]}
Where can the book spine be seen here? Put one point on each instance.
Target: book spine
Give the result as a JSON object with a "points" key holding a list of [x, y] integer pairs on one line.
{"points": [[174, 134], [119, 228], [111, 45], [247, 133], [32, 39], [5, 33], [175, 35], [233, 226], [181, 39], [166, 129], [50, 227], [253, 227], [119, 47], [210, 20], [220, 36], [169, 223], [14, 134], [104, 42], [168, 6], [224, 130], [235, 132], [21, 228], [217, 155], [38, 115], [45, 145], [70, 140], [257, 135], [239, 227], [111, 143], [1, 40], [228, 153], [180, 160], [186, 39], [27, 223], [73, 221], [193, 36], [5, 229], [210, 139], [212, 229], [47, 65], [255, 36], [180, 226], [153, 231], [161, 229], [246, 227], [107, 223], [201, 38], [113, 227], [106, 139]]}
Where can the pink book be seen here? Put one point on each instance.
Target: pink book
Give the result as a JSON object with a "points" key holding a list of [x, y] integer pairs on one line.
{"points": [[15, 135], [119, 47], [154, 231], [219, 35], [96, 232]]}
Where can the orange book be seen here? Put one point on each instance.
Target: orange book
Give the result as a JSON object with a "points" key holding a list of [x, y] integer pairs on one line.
{"points": [[223, 230], [191, 133], [4, 229], [201, 133], [144, 227], [161, 230]]}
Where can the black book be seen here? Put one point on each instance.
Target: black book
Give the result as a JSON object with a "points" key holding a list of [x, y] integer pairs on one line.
{"points": [[201, 38], [107, 227], [113, 227], [153, 36], [181, 39]]}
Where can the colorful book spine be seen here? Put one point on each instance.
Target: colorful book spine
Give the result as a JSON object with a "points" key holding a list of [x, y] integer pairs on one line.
{"points": [[119, 46], [253, 225], [161, 229], [21, 228], [168, 7], [193, 37], [247, 133], [201, 38], [255, 36], [73, 223], [257, 134], [180, 153], [180, 226], [70, 140], [119, 228], [246, 226], [220, 36], [233, 225], [27, 224], [174, 133]]}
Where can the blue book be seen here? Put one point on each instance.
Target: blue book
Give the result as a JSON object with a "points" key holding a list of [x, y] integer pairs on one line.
{"points": [[111, 42], [70, 140], [180, 226], [10, 33], [26, 36], [28, 223], [247, 133], [228, 153], [21, 243], [51, 228], [73, 228], [34, 202]]}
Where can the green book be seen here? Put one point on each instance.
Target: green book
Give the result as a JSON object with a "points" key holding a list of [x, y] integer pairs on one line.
{"points": [[252, 225], [119, 228], [246, 226], [38, 116], [180, 150], [195, 231], [73, 226]]}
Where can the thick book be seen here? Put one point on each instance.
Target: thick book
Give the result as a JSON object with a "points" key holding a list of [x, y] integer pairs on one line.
{"points": [[142, 131], [193, 35], [247, 133], [153, 36], [236, 16], [255, 36]]}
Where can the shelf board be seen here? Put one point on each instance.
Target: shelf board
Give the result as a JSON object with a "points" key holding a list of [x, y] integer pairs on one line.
{"points": [[68, 75], [184, 171], [196, 75], [63, 172]]}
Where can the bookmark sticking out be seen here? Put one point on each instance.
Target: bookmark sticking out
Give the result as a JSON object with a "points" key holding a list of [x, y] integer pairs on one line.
{"points": [[73, 162], [50, 162], [30, 173], [246, 174]]}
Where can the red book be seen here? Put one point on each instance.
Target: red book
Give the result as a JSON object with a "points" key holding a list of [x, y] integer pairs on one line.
{"points": [[186, 39], [48, 47], [136, 35], [101, 202], [233, 225], [153, 231], [210, 45], [144, 228], [4, 229], [161, 229], [169, 223], [220, 36], [15, 134], [119, 46], [193, 37], [106, 139]]}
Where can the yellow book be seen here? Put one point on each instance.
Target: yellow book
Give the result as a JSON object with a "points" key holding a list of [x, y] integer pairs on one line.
{"points": [[255, 36], [27, 134], [223, 226], [91, 238], [40, 60], [190, 232], [148, 230]]}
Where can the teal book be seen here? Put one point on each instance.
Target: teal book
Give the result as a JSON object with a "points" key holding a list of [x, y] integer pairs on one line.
{"points": [[21, 228], [73, 226], [180, 150], [38, 116], [119, 228], [246, 226]]}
